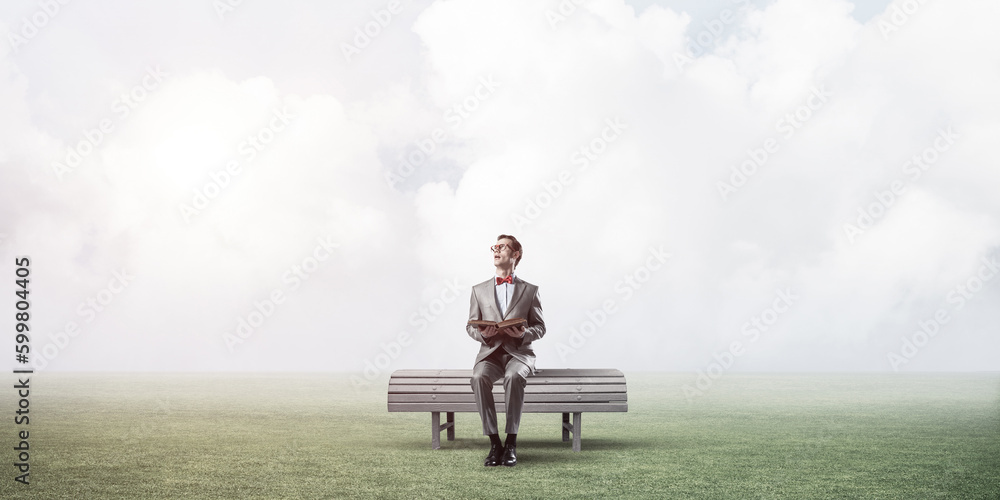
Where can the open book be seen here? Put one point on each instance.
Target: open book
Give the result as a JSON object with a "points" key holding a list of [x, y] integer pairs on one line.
{"points": [[500, 325]]}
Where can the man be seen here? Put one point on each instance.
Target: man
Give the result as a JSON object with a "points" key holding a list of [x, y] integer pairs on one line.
{"points": [[505, 353]]}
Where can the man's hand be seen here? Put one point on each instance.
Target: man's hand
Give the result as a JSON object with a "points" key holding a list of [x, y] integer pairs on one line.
{"points": [[514, 331], [488, 331]]}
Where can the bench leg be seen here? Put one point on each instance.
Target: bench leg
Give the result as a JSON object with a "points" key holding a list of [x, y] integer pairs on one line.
{"points": [[437, 427], [573, 429], [576, 431], [435, 430]]}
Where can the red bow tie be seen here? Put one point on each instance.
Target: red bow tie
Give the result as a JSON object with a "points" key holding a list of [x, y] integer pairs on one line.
{"points": [[508, 279]]}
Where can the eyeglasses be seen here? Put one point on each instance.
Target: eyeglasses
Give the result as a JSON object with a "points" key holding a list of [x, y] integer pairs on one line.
{"points": [[499, 248]]}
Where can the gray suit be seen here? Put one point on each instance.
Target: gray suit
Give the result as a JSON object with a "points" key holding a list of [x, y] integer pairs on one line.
{"points": [[502, 355]]}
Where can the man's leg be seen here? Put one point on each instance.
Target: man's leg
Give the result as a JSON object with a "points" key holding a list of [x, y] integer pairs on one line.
{"points": [[484, 375], [515, 377]]}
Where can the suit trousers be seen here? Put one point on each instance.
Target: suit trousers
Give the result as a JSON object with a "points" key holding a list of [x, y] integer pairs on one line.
{"points": [[486, 372]]}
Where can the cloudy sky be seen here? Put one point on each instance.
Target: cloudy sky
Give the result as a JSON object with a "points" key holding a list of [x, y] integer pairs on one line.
{"points": [[787, 185]]}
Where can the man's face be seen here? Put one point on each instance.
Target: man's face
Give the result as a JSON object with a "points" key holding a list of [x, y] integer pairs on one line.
{"points": [[503, 254]]}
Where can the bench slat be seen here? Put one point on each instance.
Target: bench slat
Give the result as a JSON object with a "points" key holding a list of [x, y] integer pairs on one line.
{"points": [[528, 407], [498, 397], [531, 380], [466, 389], [548, 372]]}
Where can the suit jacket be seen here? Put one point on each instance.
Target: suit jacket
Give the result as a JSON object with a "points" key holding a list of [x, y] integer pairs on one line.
{"points": [[523, 304]]}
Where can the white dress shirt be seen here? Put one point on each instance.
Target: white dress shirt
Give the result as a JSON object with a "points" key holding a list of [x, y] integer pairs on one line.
{"points": [[505, 291]]}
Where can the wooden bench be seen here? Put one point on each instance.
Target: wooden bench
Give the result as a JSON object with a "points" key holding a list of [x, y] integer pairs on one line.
{"points": [[563, 390]]}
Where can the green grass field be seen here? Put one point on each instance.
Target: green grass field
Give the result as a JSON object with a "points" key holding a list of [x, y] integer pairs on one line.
{"points": [[317, 436]]}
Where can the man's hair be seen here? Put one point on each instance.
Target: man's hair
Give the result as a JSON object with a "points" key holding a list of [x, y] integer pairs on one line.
{"points": [[514, 245]]}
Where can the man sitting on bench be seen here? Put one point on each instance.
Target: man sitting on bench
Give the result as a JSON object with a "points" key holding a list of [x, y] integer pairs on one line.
{"points": [[505, 352]]}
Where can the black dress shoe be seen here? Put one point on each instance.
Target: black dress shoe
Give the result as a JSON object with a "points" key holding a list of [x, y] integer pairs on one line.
{"points": [[510, 455], [493, 459]]}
